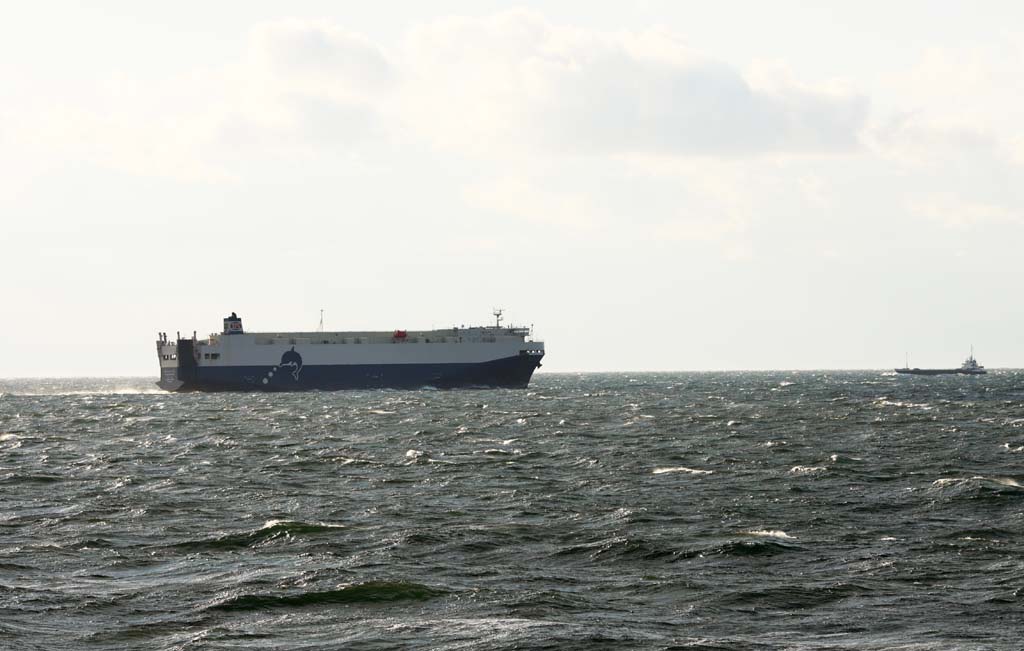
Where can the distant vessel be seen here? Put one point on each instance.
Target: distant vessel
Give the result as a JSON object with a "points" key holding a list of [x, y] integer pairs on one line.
{"points": [[235, 360], [969, 367]]}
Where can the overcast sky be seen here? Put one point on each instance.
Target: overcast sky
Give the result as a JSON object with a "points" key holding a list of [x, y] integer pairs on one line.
{"points": [[655, 185]]}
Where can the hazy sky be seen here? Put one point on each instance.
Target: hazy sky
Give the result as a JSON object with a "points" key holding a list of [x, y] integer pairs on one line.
{"points": [[656, 185]]}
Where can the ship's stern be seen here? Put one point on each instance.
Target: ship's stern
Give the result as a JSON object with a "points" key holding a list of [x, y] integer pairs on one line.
{"points": [[167, 355]]}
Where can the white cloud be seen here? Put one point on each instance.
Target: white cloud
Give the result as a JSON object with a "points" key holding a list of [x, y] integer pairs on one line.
{"points": [[620, 104], [517, 78], [919, 139], [951, 102], [321, 53], [957, 213], [491, 86], [967, 84]]}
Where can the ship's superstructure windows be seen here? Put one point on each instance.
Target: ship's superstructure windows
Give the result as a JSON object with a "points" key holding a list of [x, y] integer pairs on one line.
{"points": [[214, 355]]}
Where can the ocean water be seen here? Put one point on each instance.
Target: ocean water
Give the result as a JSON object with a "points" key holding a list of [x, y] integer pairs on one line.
{"points": [[748, 511]]}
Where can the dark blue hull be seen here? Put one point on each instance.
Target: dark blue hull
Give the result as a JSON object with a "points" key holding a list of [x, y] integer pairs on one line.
{"points": [[509, 372]]}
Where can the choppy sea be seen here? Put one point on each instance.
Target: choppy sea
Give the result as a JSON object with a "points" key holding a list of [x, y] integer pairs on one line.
{"points": [[711, 511]]}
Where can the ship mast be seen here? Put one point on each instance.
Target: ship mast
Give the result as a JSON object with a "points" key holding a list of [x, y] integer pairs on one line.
{"points": [[497, 317]]}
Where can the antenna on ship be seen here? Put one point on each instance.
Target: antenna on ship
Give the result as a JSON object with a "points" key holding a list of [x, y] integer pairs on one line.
{"points": [[497, 317], [320, 328]]}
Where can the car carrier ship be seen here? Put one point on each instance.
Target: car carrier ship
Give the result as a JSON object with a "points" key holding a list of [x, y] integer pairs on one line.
{"points": [[236, 360]]}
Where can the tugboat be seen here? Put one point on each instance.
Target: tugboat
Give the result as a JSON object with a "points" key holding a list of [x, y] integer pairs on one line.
{"points": [[969, 367]]}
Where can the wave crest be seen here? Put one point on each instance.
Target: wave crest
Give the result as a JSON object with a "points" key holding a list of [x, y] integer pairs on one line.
{"points": [[691, 471], [369, 592], [271, 531]]}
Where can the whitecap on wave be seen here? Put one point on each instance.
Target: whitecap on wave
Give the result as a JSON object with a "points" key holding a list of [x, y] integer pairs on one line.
{"points": [[807, 470], [479, 629], [961, 481], [951, 481], [1006, 481], [415, 456], [691, 471], [270, 524], [885, 402], [770, 533]]}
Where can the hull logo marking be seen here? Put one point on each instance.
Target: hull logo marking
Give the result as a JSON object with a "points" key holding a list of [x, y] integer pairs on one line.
{"points": [[290, 359]]}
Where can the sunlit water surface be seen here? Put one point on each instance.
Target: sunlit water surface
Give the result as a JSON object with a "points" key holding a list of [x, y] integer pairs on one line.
{"points": [[761, 511]]}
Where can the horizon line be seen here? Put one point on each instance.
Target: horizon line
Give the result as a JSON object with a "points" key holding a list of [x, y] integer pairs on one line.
{"points": [[570, 372]]}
